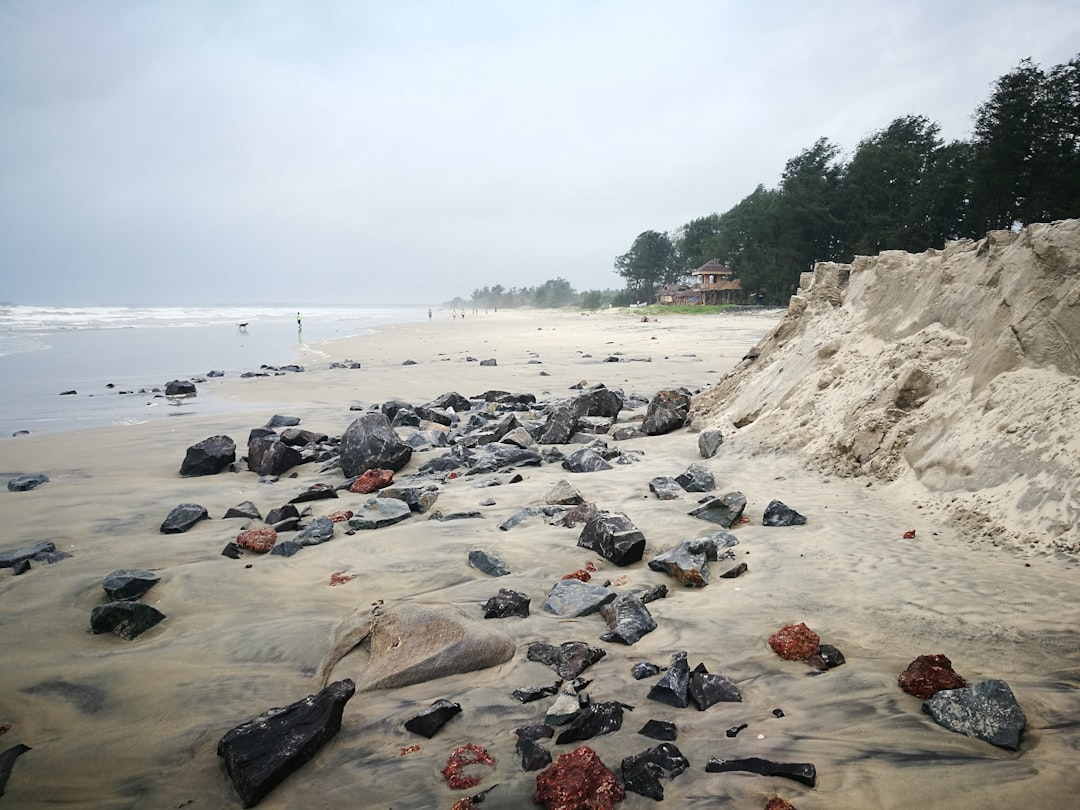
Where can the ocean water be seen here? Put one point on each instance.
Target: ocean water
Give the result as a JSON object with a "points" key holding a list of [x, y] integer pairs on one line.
{"points": [[100, 352]]}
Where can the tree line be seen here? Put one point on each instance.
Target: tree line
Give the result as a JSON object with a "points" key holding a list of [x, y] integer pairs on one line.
{"points": [[903, 188], [555, 292]]}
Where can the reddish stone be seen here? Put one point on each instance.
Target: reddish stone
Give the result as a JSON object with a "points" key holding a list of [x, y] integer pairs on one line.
{"points": [[580, 574], [464, 757], [796, 642], [929, 674], [909, 534], [340, 578], [776, 803], [578, 780], [258, 540], [340, 517], [371, 481]]}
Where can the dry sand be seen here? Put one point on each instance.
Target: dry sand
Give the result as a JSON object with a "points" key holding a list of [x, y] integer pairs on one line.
{"points": [[119, 724]]}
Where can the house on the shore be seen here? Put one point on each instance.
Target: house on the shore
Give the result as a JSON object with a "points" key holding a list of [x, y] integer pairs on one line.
{"points": [[716, 284]]}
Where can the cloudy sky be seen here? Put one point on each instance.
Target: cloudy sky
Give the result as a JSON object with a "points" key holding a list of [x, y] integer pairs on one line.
{"points": [[363, 152]]}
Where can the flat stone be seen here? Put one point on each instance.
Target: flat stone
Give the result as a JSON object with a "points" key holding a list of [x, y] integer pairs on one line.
{"points": [[183, 517], [26, 482], [129, 583], [281, 420], [986, 710], [487, 563], [572, 598], [244, 510], [594, 720], [665, 488], [672, 688], [659, 730], [434, 717], [507, 603], [585, 460], [316, 492], [725, 510], [628, 619], [803, 772], [697, 478], [707, 689], [641, 773], [13, 557], [709, 442], [380, 512], [125, 619], [569, 659], [318, 531], [778, 513], [419, 499], [528, 694]]}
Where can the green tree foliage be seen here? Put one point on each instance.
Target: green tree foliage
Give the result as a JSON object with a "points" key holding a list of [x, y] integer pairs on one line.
{"points": [[649, 264]]}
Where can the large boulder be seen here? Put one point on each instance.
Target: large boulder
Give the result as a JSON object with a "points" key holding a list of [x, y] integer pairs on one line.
{"points": [[268, 455], [208, 457], [369, 443], [987, 711], [667, 411], [180, 388]]}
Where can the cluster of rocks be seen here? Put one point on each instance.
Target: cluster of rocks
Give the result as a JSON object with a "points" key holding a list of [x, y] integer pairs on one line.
{"points": [[122, 614], [797, 642], [19, 559]]}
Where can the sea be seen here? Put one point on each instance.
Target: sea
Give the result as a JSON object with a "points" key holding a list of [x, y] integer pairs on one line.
{"points": [[113, 357]]}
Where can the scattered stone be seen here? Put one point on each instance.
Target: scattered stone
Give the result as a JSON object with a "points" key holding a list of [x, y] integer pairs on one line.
{"points": [[380, 512], [11, 558], [628, 619], [340, 516], [317, 532], [689, 561], [208, 457], [667, 411], [7, 762], [582, 513], [654, 593], [129, 583], [258, 540], [735, 572], [287, 548], [827, 657], [578, 780], [929, 674], [572, 598], [370, 443], [528, 694], [180, 388], [316, 492], [446, 516], [795, 642], [283, 518], [734, 730], [183, 517], [697, 478], [505, 604], [295, 437], [568, 660], [488, 563], [262, 752], [489, 362], [533, 755], [537, 732], [614, 537], [709, 442], [624, 432], [418, 499], [278, 420], [986, 710], [372, 480], [26, 482], [780, 514], [70, 392], [659, 730], [725, 510], [594, 720], [244, 510], [268, 455], [464, 757], [707, 689], [433, 718], [641, 773], [126, 619], [231, 550], [566, 707], [20, 568], [665, 488], [585, 460], [645, 669], [803, 772], [672, 688]]}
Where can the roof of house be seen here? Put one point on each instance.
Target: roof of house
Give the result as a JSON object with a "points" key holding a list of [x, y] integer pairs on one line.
{"points": [[713, 267]]}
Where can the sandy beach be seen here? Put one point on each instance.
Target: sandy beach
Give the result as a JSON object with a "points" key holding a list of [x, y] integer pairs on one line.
{"points": [[119, 724]]}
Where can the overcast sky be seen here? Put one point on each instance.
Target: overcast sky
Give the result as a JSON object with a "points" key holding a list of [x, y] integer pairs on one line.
{"points": [[185, 152]]}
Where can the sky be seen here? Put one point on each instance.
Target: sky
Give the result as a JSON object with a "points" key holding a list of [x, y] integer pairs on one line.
{"points": [[199, 152]]}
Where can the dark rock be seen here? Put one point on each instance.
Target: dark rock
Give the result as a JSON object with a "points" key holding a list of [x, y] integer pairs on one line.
{"points": [[594, 720], [672, 688], [725, 510], [287, 548], [659, 730], [830, 656], [689, 561], [370, 442], [69, 393], [488, 563], [665, 488], [585, 460], [532, 511], [530, 693], [697, 478], [628, 619], [316, 492], [537, 732], [180, 388], [706, 689], [654, 593], [129, 583], [644, 669], [406, 417], [560, 425], [9, 559], [260, 753], [451, 399], [380, 512], [734, 730], [390, 408], [419, 499], [441, 464], [268, 455], [795, 642], [447, 516], [779, 514], [295, 437], [7, 762], [929, 674], [278, 420], [20, 568], [582, 513], [318, 531], [599, 401], [126, 619], [232, 551], [183, 517], [986, 710], [408, 362], [244, 510], [283, 518], [578, 780], [568, 660], [572, 598], [26, 482], [430, 415], [667, 411], [433, 718], [641, 773], [208, 457], [737, 571], [259, 432], [614, 537], [803, 772], [624, 432], [498, 455], [533, 755], [489, 362], [565, 494], [709, 442]]}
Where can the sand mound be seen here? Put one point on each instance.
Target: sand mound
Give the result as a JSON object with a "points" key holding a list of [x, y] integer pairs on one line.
{"points": [[957, 369]]}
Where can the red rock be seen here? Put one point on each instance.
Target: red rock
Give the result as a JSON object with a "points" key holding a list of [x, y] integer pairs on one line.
{"points": [[776, 803], [580, 574], [796, 642], [909, 534], [340, 517], [258, 540], [578, 781], [469, 754], [371, 481], [929, 674]]}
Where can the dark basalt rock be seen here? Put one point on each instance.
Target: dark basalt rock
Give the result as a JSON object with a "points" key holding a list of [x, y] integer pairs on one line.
{"points": [[697, 478], [316, 492], [244, 510], [208, 457], [260, 753], [370, 442], [268, 455], [672, 688], [735, 572], [405, 417], [70, 392], [499, 455], [613, 537], [279, 420], [419, 498], [709, 442], [689, 561], [780, 514], [628, 619], [829, 656], [232, 551], [599, 401], [560, 425], [594, 720], [537, 732], [659, 730], [725, 510], [429, 415], [390, 408], [665, 488], [318, 531], [7, 762], [505, 604], [20, 568], [488, 563], [986, 710], [533, 755], [451, 399], [667, 411], [569, 659], [380, 512], [706, 690], [803, 772], [434, 717], [641, 773], [183, 517], [283, 518], [286, 548], [532, 511], [129, 583], [585, 460], [624, 432], [26, 482], [645, 669], [528, 694], [654, 593], [126, 619], [180, 388], [11, 558], [572, 598], [489, 362]]}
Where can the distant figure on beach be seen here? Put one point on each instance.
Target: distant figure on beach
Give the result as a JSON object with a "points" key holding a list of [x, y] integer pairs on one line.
{"points": [[242, 326], [429, 314], [299, 323]]}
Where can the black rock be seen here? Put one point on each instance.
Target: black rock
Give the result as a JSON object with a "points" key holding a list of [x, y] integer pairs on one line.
{"points": [[641, 773], [561, 424], [183, 517], [28, 481], [572, 598], [803, 772], [734, 730], [277, 420], [260, 753], [434, 717], [689, 561], [628, 619], [440, 464], [268, 455], [244, 510], [568, 660], [654, 593], [613, 537], [9, 559], [599, 401], [659, 730], [286, 548], [296, 437], [405, 417], [709, 442], [20, 568], [318, 531], [451, 399], [986, 710], [533, 755], [594, 720], [408, 362], [256, 433], [316, 492], [737, 571], [706, 689], [429, 415], [585, 460], [377, 513], [70, 392], [7, 762], [506, 603], [697, 478], [528, 694], [208, 457], [672, 688], [488, 563], [645, 669], [499, 455], [390, 408], [667, 411], [370, 443], [665, 488], [536, 732], [489, 362], [831, 656], [126, 619], [129, 583], [180, 388], [780, 514], [444, 517], [725, 510], [283, 518], [232, 551]]}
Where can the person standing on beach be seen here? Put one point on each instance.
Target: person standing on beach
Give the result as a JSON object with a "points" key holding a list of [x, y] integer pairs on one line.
{"points": [[299, 323], [429, 314]]}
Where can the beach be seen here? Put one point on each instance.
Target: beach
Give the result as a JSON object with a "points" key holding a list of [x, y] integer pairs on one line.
{"points": [[113, 723]]}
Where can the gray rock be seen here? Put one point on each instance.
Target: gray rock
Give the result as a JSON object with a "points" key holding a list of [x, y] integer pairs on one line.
{"points": [[296, 437], [129, 583], [561, 424], [986, 710], [180, 388], [489, 362], [183, 517], [268, 455], [778, 513], [565, 707], [505, 604], [419, 498], [11, 558], [370, 443], [585, 460], [208, 457], [564, 493], [497, 456], [697, 478], [709, 442], [665, 488], [614, 537], [519, 437], [667, 411], [451, 399], [244, 510], [624, 432], [569, 659], [571, 598], [286, 548], [125, 619], [318, 531], [628, 619], [599, 401], [277, 420], [26, 482], [380, 512], [488, 563], [725, 510], [689, 561]]}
